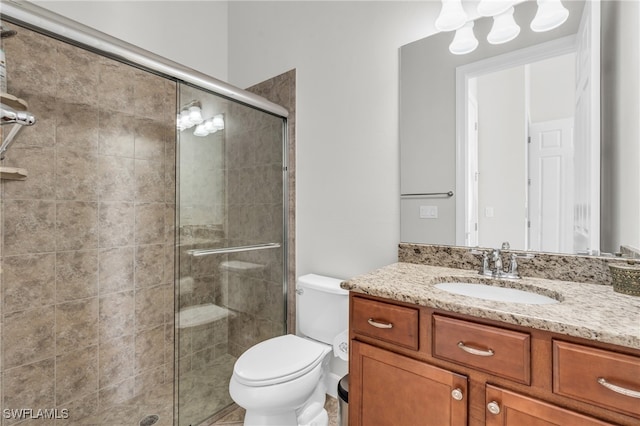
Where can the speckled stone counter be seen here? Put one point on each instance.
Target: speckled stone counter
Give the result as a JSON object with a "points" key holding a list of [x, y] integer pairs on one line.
{"points": [[589, 311]]}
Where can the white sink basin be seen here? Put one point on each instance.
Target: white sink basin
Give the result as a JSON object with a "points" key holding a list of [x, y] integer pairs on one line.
{"points": [[500, 294]]}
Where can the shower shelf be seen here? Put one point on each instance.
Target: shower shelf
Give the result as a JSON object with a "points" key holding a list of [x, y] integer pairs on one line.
{"points": [[13, 173], [14, 102]]}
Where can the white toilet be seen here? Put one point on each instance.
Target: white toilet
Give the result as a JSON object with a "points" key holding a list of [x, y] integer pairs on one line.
{"points": [[279, 382]]}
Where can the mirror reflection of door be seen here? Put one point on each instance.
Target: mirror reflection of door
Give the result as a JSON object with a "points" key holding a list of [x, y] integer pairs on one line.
{"points": [[524, 117], [472, 177], [551, 185]]}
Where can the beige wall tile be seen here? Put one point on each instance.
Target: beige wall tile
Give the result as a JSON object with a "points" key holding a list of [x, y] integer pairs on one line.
{"points": [[115, 86], [116, 361], [150, 226], [150, 139], [116, 178], [30, 385], [149, 95], [76, 225], [76, 374], [38, 162], [117, 134], [80, 408], [78, 72], [149, 265], [28, 336], [147, 354], [117, 315], [76, 127], [76, 275], [29, 281], [116, 224], [76, 325], [149, 181], [29, 226], [104, 140], [149, 380], [116, 394], [150, 307], [38, 73], [76, 174], [116, 269]]}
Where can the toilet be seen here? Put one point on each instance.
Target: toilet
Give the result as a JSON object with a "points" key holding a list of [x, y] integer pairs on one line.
{"points": [[280, 382]]}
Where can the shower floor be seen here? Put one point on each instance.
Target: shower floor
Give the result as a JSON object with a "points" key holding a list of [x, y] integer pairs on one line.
{"points": [[203, 392]]}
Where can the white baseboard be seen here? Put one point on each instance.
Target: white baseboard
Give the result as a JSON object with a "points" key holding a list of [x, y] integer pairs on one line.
{"points": [[331, 382]]}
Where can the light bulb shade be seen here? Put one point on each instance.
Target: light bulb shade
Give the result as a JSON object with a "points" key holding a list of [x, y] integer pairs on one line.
{"points": [[200, 130], [185, 121], [209, 127], [551, 14], [504, 28], [493, 7], [218, 122], [195, 115], [464, 41], [452, 16]]}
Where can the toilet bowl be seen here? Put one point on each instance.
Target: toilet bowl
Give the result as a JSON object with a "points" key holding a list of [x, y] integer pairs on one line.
{"points": [[279, 382]]}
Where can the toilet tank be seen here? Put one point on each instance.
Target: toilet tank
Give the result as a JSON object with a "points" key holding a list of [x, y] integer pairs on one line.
{"points": [[322, 307]]}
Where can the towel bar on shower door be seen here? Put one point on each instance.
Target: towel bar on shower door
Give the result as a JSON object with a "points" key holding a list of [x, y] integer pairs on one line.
{"points": [[223, 250]]}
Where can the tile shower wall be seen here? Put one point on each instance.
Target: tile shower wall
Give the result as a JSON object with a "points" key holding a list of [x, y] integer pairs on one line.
{"points": [[252, 281], [88, 238], [281, 90]]}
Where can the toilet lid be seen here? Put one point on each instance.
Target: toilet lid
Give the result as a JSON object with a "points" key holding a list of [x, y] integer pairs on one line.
{"points": [[277, 360]]}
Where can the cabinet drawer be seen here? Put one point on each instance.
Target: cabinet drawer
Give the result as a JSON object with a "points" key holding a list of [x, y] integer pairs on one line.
{"points": [[598, 376], [384, 321], [494, 350]]}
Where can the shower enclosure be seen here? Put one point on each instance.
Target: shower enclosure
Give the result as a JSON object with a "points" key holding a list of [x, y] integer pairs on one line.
{"points": [[231, 244], [144, 244]]}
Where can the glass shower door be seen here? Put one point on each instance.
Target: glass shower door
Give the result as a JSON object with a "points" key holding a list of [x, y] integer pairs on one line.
{"points": [[230, 277]]}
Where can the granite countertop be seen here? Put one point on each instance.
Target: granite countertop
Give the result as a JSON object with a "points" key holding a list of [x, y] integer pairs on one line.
{"points": [[589, 311]]}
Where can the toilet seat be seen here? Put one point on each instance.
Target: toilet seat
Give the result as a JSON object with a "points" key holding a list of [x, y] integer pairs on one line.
{"points": [[277, 360]]}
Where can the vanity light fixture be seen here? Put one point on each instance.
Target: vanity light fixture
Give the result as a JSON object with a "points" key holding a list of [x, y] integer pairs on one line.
{"points": [[210, 126], [493, 7], [551, 14], [452, 16], [504, 28], [191, 115], [464, 41]]}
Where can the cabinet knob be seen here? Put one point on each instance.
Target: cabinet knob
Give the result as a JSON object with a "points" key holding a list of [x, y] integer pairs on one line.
{"points": [[493, 407], [457, 394]]}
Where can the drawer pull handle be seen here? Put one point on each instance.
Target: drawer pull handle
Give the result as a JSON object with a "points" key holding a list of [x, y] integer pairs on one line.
{"points": [[493, 407], [618, 389], [377, 324], [474, 351]]}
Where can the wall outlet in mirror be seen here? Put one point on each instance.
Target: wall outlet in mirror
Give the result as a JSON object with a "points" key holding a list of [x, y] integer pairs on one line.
{"points": [[428, 212]]}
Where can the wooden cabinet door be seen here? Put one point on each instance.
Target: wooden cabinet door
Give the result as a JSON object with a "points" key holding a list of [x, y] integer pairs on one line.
{"points": [[506, 408], [389, 389]]}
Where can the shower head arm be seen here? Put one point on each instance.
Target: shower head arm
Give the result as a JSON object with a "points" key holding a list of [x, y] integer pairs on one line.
{"points": [[18, 119]]}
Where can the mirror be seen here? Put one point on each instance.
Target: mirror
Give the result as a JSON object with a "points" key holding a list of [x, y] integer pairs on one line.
{"points": [[582, 200]]}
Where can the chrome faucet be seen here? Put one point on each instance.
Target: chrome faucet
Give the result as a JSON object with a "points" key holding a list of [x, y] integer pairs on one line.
{"points": [[498, 268]]}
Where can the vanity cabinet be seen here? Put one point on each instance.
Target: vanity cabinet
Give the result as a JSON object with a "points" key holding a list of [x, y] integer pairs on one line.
{"points": [[443, 368], [393, 389]]}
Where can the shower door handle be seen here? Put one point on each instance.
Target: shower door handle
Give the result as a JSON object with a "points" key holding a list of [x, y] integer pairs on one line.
{"points": [[238, 249]]}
